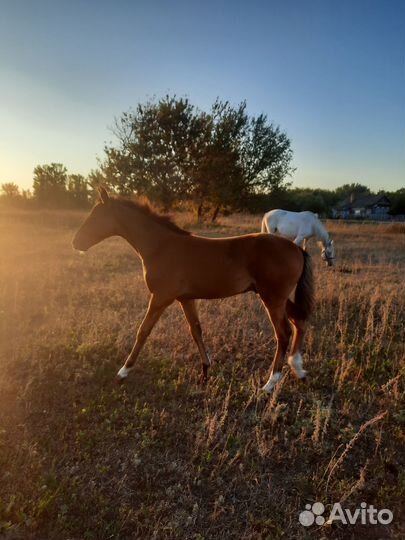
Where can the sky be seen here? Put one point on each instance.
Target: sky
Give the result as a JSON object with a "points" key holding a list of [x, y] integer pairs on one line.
{"points": [[330, 73]]}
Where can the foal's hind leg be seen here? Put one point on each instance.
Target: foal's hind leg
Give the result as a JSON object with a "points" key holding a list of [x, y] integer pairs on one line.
{"points": [[282, 328], [190, 311], [295, 358]]}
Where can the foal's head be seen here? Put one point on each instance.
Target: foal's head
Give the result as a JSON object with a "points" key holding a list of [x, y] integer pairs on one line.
{"points": [[328, 253], [99, 225]]}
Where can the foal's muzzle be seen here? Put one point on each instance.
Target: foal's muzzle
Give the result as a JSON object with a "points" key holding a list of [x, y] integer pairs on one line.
{"points": [[79, 246]]}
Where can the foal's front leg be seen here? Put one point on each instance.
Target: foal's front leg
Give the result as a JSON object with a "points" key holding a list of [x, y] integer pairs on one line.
{"points": [[155, 309], [190, 311]]}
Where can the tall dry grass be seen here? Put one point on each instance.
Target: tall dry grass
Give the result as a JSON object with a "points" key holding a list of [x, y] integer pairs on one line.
{"points": [[163, 458]]}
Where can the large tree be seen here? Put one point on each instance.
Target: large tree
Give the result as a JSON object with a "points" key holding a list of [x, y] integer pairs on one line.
{"points": [[216, 173], [154, 150], [266, 155], [171, 151]]}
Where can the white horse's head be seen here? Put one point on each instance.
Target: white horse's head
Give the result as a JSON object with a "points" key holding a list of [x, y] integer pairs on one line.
{"points": [[328, 253]]}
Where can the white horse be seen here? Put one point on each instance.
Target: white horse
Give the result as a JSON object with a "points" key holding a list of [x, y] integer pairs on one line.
{"points": [[300, 226]]}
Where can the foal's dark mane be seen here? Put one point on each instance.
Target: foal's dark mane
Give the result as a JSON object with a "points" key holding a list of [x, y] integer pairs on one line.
{"points": [[144, 208]]}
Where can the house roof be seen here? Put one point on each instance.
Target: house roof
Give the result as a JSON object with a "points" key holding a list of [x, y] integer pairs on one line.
{"points": [[365, 201]]}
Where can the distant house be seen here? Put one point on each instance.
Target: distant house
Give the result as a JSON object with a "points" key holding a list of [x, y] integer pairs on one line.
{"points": [[375, 207]]}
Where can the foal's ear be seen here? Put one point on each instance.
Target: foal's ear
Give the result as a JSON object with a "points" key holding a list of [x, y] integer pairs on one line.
{"points": [[104, 197]]}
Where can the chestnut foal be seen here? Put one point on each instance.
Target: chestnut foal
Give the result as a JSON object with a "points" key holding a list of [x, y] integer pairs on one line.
{"points": [[182, 266]]}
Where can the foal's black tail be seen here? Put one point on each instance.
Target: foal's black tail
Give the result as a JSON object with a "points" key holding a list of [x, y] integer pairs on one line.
{"points": [[303, 303]]}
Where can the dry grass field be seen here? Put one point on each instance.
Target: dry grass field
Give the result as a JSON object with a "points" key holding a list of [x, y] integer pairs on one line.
{"points": [[163, 458]]}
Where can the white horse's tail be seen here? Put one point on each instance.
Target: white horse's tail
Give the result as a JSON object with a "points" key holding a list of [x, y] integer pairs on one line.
{"points": [[264, 225]]}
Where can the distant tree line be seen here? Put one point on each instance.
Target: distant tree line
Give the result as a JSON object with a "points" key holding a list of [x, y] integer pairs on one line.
{"points": [[80, 193], [322, 201], [52, 187], [176, 155]]}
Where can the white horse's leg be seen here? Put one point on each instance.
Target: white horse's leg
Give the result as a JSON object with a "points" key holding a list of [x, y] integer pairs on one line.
{"points": [[299, 240], [304, 244]]}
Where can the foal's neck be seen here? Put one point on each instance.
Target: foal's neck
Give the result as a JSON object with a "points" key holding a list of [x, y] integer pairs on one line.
{"points": [[142, 232]]}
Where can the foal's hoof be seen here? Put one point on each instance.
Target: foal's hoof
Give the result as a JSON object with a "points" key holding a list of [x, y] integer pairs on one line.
{"points": [[122, 374], [295, 363], [271, 383], [204, 375]]}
